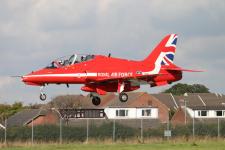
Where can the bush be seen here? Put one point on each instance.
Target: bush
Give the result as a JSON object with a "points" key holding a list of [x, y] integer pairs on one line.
{"points": [[69, 133], [158, 132]]}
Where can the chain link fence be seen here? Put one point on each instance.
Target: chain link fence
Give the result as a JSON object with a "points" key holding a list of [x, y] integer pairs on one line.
{"points": [[99, 129]]}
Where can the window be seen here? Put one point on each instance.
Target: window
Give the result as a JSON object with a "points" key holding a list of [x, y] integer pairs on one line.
{"points": [[146, 112], [69, 60], [82, 58], [202, 113], [219, 113], [121, 113], [52, 65]]}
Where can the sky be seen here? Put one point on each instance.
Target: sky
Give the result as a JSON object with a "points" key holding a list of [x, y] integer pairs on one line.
{"points": [[35, 32]]}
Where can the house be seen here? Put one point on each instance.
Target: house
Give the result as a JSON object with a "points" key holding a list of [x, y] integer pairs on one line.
{"points": [[38, 116], [201, 107], [141, 107], [131, 112], [150, 108], [139, 103], [168, 99], [81, 113]]}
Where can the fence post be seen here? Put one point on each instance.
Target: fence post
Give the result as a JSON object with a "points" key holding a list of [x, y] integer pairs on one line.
{"points": [[32, 132], [114, 130], [193, 125], [5, 131], [87, 130], [168, 127], [60, 130], [141, 130], [218, 127]]}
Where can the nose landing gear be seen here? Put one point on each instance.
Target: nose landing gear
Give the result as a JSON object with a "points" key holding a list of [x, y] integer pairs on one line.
{"points": [[42, 94]]}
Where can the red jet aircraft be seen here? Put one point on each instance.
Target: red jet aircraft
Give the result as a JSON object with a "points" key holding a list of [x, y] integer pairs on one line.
{"points": [[102, 74]]}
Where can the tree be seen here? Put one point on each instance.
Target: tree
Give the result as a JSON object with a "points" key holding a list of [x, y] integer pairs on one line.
{"points": [[67, 101], [180, 89], [9, 110]]}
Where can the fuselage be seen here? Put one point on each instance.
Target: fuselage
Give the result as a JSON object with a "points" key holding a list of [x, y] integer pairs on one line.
{"points": [[99, 68], [101, 74]]}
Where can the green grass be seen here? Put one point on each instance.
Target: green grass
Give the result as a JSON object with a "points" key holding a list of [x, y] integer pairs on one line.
{"points": [[171, 145]]}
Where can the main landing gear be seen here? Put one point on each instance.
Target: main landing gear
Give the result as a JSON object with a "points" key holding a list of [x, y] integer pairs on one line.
{"points": [[96, 100], [123, 97]]}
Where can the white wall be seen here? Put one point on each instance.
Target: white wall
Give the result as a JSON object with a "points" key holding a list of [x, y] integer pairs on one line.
{"points": [[210, 114], [133, 113]]}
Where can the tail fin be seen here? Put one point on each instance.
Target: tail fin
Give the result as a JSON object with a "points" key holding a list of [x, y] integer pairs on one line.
{"points": [[163, 53]]}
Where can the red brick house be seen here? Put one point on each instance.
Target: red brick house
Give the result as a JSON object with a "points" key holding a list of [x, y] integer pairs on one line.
{"points": [[199, 104], [141, 99], [202, 107], [39, 117]]}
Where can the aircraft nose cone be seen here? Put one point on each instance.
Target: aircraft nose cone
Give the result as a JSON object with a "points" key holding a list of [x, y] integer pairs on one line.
{"points": [[24, 78], [27, 80]]}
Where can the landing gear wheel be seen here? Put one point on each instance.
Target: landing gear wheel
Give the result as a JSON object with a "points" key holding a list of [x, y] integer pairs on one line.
{"points": [[43, 96], [96, 100], [123, 97]]}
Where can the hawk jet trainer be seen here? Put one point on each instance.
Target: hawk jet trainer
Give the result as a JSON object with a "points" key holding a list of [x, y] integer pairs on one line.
{"points": [[101, 74]]}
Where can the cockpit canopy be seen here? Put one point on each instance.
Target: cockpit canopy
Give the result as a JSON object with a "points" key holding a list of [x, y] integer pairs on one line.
{"points": [[69, 60]]}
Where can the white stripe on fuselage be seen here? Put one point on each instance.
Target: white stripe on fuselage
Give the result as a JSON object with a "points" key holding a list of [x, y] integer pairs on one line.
{"points": [[65, 75]]}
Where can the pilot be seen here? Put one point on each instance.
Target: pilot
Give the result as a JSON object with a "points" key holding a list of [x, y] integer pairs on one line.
{"points": [[83, 58], [61, 62], [53, 65]]}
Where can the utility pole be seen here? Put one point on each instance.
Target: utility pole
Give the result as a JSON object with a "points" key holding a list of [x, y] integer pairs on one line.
{"points": [[185, 107], [185, 112], [167, 131]]}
